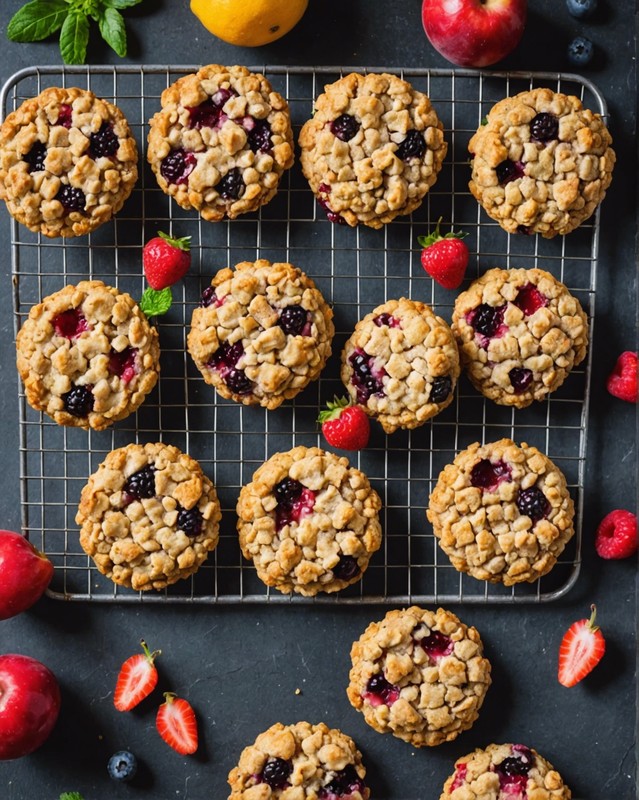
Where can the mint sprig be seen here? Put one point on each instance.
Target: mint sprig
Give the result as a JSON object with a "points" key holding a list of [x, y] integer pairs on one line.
{"points": [[39, 19], [71, 796], [155, 303]]}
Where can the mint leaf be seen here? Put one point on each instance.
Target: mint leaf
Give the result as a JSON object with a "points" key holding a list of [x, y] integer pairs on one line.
{"points": [[37, 20], [74, 37], [120, 3], [113, 30], [71, 796], [154, 303]]}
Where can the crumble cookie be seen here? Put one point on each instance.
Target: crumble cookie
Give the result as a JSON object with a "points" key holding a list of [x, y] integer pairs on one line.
{"points": [[502, 513], [300, 762], [504, 770], [87, 355], [262, 333], [309, 521], [420, 675], [221, 141], [68, 162], [541, 163], [149, 516], [372, 150], [520, 332], [401, 364]]}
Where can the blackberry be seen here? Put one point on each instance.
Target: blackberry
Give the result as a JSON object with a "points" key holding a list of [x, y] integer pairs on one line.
{"points": [[72, 199], [441, 389], [514, 766], [122, 766], [508, 171], [346, 568], [190, 521], [487, 319], [363, 379], [35, 157], [259, 137], [380, 687], [287, 491], [276, 772], [208, 297], [344, 127], [104, 142], [344, 782], [206, 115], [227, 355], [79, 401], [533, 503], [293, 319], [544, 127], [520, 379], [231, 186], [177, 166], [237, 381], [413, 146], [141, 484]]}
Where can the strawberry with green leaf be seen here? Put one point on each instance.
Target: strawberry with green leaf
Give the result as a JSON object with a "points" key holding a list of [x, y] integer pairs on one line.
{"points": [[445, 256]]}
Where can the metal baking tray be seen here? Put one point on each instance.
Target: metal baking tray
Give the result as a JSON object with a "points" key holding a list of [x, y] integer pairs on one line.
{"points": [[356, 269]]}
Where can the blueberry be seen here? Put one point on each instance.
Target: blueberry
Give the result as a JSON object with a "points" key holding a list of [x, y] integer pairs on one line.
{"points": [[122, 766], [208, 297], [441, 389], [344, 127], [580, 9], [508, 171], [231, 185], [346, 568], [580, 51], [259, 137]]}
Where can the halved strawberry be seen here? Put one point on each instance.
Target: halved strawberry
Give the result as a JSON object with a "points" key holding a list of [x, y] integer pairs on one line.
{"points": [[177, 725], [581, 649], [138, 677]]}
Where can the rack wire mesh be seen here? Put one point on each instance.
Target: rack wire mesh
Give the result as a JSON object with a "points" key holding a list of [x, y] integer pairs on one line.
{"points": [[356, 269]]}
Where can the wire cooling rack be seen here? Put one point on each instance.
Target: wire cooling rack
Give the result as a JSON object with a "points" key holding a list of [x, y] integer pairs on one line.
{"points": [[356, 269]]}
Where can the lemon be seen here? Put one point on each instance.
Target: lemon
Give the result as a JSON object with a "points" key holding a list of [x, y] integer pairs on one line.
{"points": [[249, 23]]}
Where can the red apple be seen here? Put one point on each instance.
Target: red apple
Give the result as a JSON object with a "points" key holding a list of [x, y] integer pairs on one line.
{"points": [[29, 705], [24, 574], [474, 33]]}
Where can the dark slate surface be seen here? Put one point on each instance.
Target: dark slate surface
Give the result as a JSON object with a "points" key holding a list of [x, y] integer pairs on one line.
{"points": [[241, 666]]}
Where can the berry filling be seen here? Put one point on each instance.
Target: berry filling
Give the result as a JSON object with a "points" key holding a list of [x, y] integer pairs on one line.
{"points": [[139, 485], [413, 146], [386, 319], [488, 322], [344, 127], [177, 166], [529, 299], [225, 360], [520, 379], [65, 115], [379, 692], [210, 298], [488, 475], [366, 377], [259, 136], [509, 171], [104, 142], [343, 784], [436, 645], [294, 502], [206, 115], [460, 777], [523, 229], [276, 773], [294, 321], [70, 324], [79, 401], [123, 364], [231, 186], [440, 389], [346, 568], [72, 199], [331, 215], [533, 503], [36, 156], [513, 772], [189, 521], [544, 127]]}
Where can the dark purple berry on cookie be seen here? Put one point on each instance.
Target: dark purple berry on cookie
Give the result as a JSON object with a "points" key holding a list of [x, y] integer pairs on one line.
{"points": [[65, 115], [520, 379], [366, 378], [331, 215], [509, 171], [259, 137], [72, 198], [208, 297], [513, 771], [413, 146], [206, 115], [104, 142], [343, 784], [231, 186], [287, 491], [293, 320], [276, 773], [36, 156], [544, 127], [533, 503], [237, 381], [440, 389], [437, 645], [177, 166], [294, 501], [529, 299], [346, 568], [79, 401], [344, 127], [190, 520], [70, 324], [124, 363], [141, 484], [486, 320], [387, 320], [226, 356], [488, 475], [380, 692]]}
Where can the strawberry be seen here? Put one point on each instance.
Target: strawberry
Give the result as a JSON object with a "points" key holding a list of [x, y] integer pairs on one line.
{"points": [[166, 260], [138, 677], [345, 425], [581, 649], [444, 258], [177, 725], [617, 535], [622, 381]]}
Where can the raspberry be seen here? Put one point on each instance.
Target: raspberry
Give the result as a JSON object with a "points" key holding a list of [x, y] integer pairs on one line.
{"points": [[617, 535], [622, 381]]}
